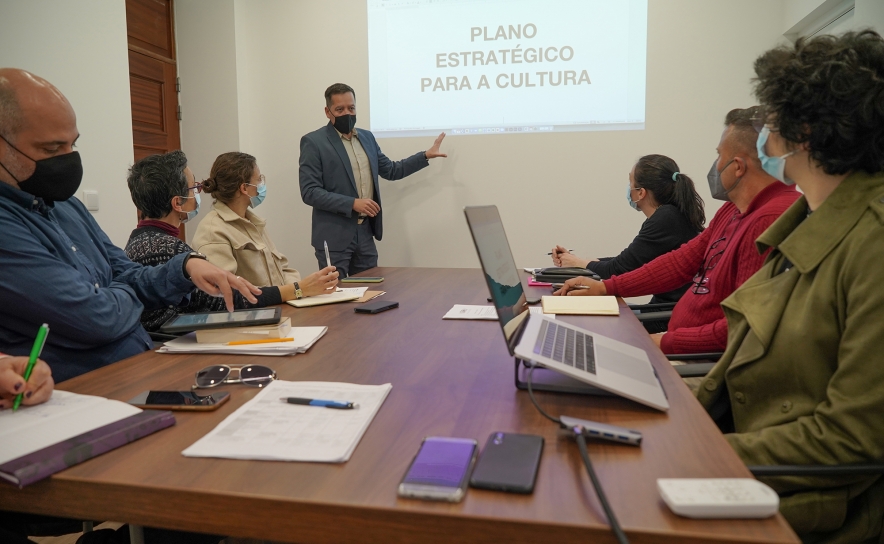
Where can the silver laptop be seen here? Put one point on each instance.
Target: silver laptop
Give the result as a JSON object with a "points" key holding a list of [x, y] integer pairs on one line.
{"points": [[597, 360]]}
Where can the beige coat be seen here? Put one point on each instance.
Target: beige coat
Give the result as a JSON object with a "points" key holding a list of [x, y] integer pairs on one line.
{"points": [[242, 246], [803, 373]]}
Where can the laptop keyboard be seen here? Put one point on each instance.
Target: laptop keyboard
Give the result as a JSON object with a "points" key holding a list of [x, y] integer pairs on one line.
{"points": [[566, 346]]}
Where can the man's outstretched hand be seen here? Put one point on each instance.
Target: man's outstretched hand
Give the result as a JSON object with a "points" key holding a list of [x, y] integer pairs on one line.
{"points": [[433, 152]]}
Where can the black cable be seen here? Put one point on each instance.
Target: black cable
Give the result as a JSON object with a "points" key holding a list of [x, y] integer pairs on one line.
{"points": [[581, 444], [615, 526], [531, 394]]}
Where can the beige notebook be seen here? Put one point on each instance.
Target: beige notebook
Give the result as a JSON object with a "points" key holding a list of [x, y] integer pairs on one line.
{"points": [[318, 300], [580, 305]]}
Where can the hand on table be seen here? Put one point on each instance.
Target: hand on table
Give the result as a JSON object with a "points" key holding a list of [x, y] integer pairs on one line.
{"points": [[217, 282], [562, 257], [434, 152], [320, 283], [366, 206], [37, 389], [590, 287]]}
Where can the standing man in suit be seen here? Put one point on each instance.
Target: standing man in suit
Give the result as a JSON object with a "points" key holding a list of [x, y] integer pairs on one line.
{"points": [[339, 169]]}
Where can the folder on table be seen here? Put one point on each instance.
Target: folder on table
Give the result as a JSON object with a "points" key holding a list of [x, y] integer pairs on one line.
{"points": [[580, 305], [39, 441]]}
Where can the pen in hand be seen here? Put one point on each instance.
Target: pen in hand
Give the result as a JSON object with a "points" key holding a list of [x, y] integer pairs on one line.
{"points": [[569, 251], [39, 342], [321, 403]]}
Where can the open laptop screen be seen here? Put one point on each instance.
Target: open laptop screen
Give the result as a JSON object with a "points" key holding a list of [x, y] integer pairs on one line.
{"points": [[500, 269]]}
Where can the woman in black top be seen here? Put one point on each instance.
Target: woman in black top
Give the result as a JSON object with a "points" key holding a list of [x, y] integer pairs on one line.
{"points": [[674, 214]]}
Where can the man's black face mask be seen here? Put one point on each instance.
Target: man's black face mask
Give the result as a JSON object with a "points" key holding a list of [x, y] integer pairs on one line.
{"points": [[345, 123], [54, 179]]}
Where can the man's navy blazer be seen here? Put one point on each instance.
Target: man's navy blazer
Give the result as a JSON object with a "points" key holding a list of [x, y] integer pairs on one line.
{"points": [[328, 185]]}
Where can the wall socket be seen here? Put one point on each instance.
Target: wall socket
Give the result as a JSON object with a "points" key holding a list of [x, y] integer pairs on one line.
{"points": [[90, 199]]}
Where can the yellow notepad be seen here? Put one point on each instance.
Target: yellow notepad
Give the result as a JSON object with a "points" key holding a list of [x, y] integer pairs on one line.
{"points": [[580, 305]]}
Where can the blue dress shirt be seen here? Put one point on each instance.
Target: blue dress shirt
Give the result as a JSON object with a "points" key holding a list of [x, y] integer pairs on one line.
{"points": [[58, 267]]}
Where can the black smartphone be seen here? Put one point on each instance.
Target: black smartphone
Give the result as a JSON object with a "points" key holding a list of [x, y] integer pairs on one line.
{"points": [[375, 307], [509, 462], [180, 400], [440, 470]]}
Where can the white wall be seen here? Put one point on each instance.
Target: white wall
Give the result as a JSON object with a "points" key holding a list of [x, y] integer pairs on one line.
{"points": [[81, 48], [207, 69], [553, 188]]}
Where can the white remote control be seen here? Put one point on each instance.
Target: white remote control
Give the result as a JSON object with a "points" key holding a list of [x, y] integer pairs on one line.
{"points": [[718, 497]]}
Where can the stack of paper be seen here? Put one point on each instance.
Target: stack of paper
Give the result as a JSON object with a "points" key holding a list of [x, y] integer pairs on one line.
{"points": [[469, 311], [267, 428], [304, 338], [581, 305]]}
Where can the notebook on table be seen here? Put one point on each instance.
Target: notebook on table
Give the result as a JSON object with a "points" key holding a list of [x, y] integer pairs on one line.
{"points": [[594, 359]]}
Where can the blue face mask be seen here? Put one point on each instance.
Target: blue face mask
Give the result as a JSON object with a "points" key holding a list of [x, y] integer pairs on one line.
{"points": [[775, 166], [194, 212], [256, 200], [632, 203]]}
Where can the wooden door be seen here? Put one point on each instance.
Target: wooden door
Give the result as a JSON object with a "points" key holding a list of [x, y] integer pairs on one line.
{"points": [[153, 78]]}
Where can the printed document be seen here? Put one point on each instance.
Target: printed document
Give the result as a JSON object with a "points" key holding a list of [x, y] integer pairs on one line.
{"points": [[489, 313], [267, 428]]}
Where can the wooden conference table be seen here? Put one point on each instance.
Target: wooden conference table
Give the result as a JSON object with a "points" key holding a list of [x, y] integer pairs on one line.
{"points": [[450, 378]]}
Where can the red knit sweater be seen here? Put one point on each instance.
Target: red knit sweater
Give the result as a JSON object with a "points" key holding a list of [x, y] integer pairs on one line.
{"points": [[698, 324]]}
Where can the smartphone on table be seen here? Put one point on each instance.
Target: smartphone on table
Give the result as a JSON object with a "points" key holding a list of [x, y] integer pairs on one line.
{"points": [[441, 469], [509, 462], [180, 400]]}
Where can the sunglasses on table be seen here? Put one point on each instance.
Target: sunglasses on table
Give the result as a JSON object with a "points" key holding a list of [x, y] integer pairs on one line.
{"points": [[215, 375]]}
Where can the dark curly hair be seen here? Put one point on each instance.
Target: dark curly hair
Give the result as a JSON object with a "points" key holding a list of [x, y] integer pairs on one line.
{"points": [[828, 92], [155, 180], [655, 173]]}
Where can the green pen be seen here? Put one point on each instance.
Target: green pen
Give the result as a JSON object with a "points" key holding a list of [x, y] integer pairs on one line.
{"points": [[39, 342]]}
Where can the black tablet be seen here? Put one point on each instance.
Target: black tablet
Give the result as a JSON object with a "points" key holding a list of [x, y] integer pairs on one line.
{"points": [[221, 320]]}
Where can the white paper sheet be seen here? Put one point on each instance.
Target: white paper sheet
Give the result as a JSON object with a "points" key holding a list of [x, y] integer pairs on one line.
{"points": [[266, 428], [304, 338], [63, 416], [489, 313], [353, 290]]}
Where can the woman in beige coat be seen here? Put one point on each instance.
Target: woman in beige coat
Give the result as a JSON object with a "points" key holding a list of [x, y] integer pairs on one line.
{"points": [[234, 237], [802, 380]]}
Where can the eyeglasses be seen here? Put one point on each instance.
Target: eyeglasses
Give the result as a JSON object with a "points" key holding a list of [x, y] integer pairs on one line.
{"points": [[197, 188], [701, 278], [253, 375], [261, 181]]}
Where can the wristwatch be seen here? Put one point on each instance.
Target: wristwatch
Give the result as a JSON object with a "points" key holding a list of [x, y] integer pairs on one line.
{"points": [[298, 292], [191, 255]]}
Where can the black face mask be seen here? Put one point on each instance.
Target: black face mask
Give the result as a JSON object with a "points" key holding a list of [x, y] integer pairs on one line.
{"points": [[345, 123], [54, 179]]}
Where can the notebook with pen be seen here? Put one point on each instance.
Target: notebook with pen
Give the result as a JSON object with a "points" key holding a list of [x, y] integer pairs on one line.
{"points": [[594, 359]]}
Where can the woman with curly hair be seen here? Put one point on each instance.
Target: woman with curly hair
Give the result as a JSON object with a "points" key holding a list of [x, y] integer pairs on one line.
{"points": [[801, 380]]}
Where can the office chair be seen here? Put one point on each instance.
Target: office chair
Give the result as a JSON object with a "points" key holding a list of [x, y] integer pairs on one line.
{"points": [[655, 318]]}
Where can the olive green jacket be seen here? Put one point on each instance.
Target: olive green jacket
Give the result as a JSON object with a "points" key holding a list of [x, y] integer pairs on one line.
{"points": [[803, 375]]}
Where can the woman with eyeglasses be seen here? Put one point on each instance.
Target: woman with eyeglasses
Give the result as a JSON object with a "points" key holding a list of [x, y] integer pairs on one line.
{"points": [[166, 195], [674, 213], [802, 380], [234, 238]]}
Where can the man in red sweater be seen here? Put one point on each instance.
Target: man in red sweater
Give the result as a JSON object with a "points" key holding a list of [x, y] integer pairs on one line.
{"points": [[720, 258]]}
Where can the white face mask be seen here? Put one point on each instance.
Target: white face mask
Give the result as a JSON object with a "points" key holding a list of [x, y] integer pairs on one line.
{"points": [[775, 166]]}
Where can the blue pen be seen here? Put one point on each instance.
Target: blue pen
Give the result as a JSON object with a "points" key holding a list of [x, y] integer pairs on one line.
{"points": [[322, 403]]}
